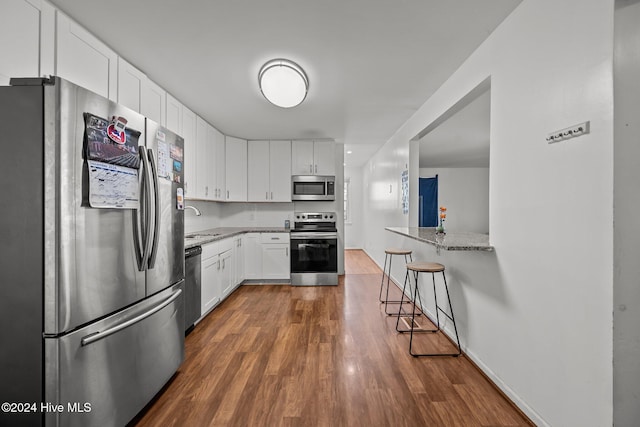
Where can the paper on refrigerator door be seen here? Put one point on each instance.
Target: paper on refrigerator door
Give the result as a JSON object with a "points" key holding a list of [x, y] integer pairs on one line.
{"points": [[112, 186]]}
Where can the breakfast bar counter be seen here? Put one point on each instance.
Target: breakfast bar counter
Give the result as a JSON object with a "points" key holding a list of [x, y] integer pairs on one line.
{"points": [[451, 241]]}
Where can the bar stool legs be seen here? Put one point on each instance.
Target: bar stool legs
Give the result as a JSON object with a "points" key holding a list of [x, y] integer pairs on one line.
{"points": [[388, 257], [432, 268]]}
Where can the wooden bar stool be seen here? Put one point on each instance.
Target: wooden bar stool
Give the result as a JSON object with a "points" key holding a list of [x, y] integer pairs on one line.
{"points": [[428, 267], [388, 255]]}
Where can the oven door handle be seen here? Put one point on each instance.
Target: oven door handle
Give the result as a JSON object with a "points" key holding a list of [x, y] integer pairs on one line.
{"points": [[313, 245]]}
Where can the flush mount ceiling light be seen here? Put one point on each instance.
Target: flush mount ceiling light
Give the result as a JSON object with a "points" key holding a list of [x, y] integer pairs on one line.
{"points": [[283, 82]]}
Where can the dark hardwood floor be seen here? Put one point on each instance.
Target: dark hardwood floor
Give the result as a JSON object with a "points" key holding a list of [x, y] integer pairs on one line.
{"points": [[320, 356]]}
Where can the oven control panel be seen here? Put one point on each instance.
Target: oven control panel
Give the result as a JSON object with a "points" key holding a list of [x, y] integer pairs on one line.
{"points": [[315, 216]]}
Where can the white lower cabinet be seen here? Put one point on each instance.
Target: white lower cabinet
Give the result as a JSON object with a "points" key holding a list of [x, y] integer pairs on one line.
{"points": [[210, 284], [266, 256], [275, 256], [217, 272], [238, 260], [252, 256], [226, 273]]}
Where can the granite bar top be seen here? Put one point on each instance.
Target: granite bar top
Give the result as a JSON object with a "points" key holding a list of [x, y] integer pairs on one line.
{"points": [[451, 241], [214, 234]]}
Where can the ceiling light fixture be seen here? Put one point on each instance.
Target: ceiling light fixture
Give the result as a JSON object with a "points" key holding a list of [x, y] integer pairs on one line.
{"points": [[284, 83], [349, 151]]}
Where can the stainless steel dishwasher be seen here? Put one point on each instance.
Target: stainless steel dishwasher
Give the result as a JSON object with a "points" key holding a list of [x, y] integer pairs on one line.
{"points": [[191, 287]]}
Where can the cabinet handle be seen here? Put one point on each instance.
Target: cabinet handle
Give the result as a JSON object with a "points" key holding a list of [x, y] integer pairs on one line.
{"points": [[287, 251], [272, 195], [275, 238], [185, 188], [206, 190], [266, 195], [310, 168], [316, 168], [218, 264], [227, 194], [223, 264]]}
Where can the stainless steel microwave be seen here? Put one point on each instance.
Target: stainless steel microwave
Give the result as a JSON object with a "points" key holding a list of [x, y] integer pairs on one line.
{"points": [[313, 187]]}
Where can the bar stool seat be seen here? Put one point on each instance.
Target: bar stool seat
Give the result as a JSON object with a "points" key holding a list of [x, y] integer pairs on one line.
{"points": [[388, 257], [425, 267], [428, 267], [397, 251]]}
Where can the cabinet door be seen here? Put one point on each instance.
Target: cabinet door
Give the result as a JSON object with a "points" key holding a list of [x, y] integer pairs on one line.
{"points": [[239, 260], [252, 256], [236, 169], [130, 85], [227, 273], [154, 103], [19, 40], [210, 295], [174, 115], [280, 171], [202, 163], [258, 171], [84, 60], [211, 161], [324, 158], [190, 150], [275, 261], [302, 157], [220, 166]]}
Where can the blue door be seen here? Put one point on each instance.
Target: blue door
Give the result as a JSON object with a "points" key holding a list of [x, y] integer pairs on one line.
{"points": [[428, 192]]}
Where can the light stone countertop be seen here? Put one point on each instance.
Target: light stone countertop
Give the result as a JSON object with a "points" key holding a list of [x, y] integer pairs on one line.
{"points": [[215, 234], [451, 241]]}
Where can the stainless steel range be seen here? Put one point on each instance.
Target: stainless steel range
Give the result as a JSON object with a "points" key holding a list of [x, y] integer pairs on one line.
{"points": [[314, 249]]}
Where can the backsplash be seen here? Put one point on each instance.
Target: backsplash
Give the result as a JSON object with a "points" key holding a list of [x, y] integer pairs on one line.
{"points": [[216, 214]]}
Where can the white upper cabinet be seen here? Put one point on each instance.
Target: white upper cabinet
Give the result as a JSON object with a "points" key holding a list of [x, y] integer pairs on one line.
{"points": [[19, 40], [324, 157], [302, 158], [313, 158], [203, 163], [215, 162], [236, 169], [85, 60], [280, 170], [154, 103], [269, 181], [220, 166], [174, 115], [258, 171], [190, 152], [131, 82]]}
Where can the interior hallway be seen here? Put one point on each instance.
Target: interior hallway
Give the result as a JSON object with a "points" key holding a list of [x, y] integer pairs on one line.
{"points": [[320, 356]]}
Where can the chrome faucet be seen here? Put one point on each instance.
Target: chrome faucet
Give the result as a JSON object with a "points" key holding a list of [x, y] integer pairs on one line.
{"points": [[196, 210]]}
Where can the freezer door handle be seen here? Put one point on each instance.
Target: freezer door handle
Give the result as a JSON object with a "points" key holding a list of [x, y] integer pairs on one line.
{"points": [[97, 336], [156, 210]]}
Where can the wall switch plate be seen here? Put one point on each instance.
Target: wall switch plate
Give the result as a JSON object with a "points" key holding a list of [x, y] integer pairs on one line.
{"points": [[567, 133]]}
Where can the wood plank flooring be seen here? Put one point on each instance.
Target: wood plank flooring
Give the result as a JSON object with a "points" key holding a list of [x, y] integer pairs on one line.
{"points": [[320, 356]]}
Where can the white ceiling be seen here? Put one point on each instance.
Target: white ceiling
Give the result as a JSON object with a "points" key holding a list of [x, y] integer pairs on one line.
{"points": [[462, 140], [371, 63]]}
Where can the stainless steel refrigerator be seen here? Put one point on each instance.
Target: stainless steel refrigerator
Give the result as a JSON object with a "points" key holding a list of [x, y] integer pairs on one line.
{"points": [[92, 237]]}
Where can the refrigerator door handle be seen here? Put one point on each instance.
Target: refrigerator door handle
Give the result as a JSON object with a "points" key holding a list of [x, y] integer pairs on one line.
{"points": [[156, 210], [97, 336], [142, 253]]}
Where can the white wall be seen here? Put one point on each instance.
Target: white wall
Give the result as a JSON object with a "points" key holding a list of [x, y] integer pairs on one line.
{"points": [[353, 228], [537, 311], [626, 307], [465, 193]]}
